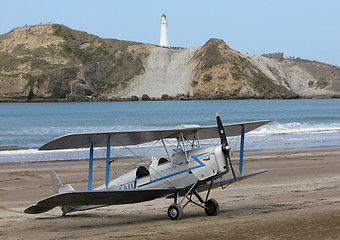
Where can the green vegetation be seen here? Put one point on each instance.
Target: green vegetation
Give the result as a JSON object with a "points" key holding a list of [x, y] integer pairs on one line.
{"points": [[39, 79], [212, 56], [38, 63], [88, 92], [20, 50], [126, 68], [64, 32], [264, 85], [236, 75], [85, 55], [87, 47], [8, 63]]}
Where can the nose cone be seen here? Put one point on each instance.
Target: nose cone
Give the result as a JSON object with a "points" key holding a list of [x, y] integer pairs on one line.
{"points": [[221, 159]]}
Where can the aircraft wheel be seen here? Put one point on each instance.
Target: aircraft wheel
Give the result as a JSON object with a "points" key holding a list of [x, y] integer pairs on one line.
{"points": [[175, 212], [212, 207]]}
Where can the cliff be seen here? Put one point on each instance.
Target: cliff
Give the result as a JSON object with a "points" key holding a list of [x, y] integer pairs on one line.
{"points": [[55, 63]]}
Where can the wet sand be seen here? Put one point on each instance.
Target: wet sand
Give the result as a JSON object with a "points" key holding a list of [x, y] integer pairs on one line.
{"points": [[299, 198]]}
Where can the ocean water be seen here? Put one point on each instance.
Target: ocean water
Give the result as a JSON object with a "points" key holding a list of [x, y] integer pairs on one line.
{"points": [[295, 124]]}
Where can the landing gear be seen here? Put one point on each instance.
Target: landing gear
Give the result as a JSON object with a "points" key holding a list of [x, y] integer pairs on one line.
{"points": [[210, 206], [175, 212]]}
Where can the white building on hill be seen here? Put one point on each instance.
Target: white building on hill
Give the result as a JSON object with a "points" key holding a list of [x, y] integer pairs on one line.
{"points": [[164, 35]]}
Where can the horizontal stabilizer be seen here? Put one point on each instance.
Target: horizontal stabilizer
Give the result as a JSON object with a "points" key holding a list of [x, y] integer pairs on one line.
{"points": [[106, 197]]}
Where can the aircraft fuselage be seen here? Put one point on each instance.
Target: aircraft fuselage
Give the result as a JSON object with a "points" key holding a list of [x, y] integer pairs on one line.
{"points": [[183, 170]]}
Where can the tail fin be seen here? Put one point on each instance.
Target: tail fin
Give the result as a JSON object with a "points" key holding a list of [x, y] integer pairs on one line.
{"points": [[56, 183], [58, 187]]}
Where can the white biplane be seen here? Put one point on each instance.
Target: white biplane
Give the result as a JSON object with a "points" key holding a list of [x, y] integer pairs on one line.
{"points": [[189, 171]]}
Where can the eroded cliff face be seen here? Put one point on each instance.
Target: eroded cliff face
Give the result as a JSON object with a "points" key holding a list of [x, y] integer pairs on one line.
{"points": [[55, 63], [303, 77], [167, 73]]}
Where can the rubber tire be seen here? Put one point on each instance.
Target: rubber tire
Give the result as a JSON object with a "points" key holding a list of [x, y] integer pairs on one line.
{"points": [[175, 212], [213, 207]]}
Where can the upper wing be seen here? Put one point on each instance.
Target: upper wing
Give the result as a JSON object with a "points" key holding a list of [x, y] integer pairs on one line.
{"points": [[85, 140], [228, 180], [110, 197]]}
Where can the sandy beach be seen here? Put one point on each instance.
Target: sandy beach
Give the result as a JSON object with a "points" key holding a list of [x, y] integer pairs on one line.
{"points": [[299, 198]]}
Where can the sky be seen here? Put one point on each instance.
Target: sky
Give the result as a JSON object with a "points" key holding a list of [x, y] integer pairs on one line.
{"points": [[308, 29]]}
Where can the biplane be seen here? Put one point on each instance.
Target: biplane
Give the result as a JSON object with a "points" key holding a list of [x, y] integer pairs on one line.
{"points": [[181, 175]]}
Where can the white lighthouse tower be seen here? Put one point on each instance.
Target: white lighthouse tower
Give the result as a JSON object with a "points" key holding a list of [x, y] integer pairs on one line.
{"points": [[164, 35]]}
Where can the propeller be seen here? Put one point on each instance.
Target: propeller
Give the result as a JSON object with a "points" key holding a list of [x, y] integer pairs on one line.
{"points": [[224, 142]]}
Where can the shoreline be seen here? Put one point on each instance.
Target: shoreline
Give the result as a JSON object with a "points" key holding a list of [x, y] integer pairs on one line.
{"points": [[170, 98], [253, 153], [296, 198]]}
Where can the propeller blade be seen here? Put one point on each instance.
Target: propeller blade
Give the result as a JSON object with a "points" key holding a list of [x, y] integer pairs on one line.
{"points": [[224, 142], [221, 131], [232, 169]]}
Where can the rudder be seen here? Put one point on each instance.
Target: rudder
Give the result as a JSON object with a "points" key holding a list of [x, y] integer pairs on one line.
{"points": [[58, 187], [56, 183]]}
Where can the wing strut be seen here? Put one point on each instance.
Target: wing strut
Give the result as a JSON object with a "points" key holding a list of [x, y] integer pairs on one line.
{"points": [[107, 173], [90, 169], [241, 150]]}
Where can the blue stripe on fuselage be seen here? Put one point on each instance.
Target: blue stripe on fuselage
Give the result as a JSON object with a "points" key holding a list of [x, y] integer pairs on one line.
{"points": [[180, 172]]}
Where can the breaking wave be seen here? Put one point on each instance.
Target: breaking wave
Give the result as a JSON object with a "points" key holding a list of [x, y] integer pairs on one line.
{"points": [[295, 128], [271, 136]]}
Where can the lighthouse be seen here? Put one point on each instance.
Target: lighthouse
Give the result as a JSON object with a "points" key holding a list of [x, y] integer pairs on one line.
{"points": [[164, 35]]}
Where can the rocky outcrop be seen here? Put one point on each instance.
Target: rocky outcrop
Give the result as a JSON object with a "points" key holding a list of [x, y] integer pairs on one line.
{"points": [[54, 63], [223, 73]]}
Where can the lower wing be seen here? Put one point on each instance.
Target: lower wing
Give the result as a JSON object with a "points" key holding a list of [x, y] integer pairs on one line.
{"points": [[226, 181], [115, 197], [106, 197]]}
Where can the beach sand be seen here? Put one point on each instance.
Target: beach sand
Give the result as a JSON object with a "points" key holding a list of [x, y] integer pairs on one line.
{"points": [[299, 198]]}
